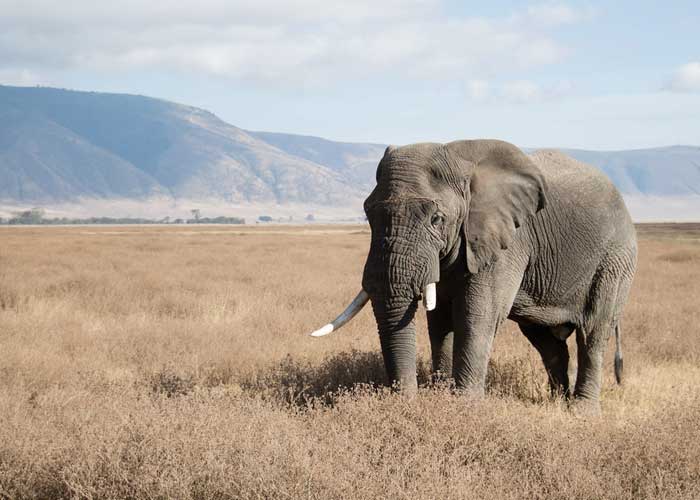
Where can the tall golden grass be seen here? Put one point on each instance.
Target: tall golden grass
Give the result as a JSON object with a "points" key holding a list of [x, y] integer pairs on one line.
{"points": [[164, 362]]}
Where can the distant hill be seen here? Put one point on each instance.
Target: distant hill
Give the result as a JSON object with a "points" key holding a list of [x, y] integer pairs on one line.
{"points": [[60, 146], [667, 171], [356, 162]]}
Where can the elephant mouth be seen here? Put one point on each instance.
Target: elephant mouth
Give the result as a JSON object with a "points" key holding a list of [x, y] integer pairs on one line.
{"points": [[429, 301]]}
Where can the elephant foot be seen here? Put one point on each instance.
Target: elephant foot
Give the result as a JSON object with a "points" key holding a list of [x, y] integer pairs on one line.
{"points": [[470, 393], [408, 390], [585, 408], [560, 394], [441, 378]]}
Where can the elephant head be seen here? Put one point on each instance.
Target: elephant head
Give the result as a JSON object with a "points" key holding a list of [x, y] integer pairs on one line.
{"points": [[437, 206]]}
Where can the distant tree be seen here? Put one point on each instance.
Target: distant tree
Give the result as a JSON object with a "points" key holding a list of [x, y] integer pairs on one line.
{"points": [[310, 218], [32, 216], [265, 218], [222, 220], [36, 216], [197, 214]]}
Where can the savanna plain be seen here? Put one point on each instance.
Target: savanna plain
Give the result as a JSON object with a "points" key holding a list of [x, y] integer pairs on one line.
{"points": [[174, 362]]}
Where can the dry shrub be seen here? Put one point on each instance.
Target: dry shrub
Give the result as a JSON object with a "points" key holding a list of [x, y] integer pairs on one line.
{"points": [[169, 383], [681, 256], [519, 378], [9, 298], [304, 383], [174, 363]]}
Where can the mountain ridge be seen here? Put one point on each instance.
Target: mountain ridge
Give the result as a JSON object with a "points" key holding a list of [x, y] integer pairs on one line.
{"points": [[63, 146], [190, 153]]}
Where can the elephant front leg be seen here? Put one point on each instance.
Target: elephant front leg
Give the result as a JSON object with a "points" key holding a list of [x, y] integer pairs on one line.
{"points": [[441, 340], [475, 328]]}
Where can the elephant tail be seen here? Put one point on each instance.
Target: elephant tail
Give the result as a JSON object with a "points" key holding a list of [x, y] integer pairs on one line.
{"points": [[618, 354]]}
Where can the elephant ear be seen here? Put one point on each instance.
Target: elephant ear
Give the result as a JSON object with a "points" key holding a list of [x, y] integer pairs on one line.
{"points": [[505, 189]]}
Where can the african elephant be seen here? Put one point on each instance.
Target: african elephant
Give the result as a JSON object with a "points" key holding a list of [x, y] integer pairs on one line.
{"points": [[484, 232]]}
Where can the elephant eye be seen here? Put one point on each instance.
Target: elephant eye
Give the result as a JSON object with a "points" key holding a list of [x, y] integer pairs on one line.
{"points": [[437, 220]]}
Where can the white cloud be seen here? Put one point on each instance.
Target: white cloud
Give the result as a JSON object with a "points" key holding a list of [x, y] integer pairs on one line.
{"points": [[521, 91], [518, 91], [276, 41], [478, 90], [553, 14], [19, 76], [686, 78], [137, 13]]}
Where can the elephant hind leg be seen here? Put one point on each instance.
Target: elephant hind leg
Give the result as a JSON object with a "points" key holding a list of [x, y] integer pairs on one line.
{"points": [[550, 342], [608, 295], [441, 335], [589, 378]]}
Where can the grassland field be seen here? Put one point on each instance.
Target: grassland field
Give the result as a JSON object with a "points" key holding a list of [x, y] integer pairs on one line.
{"points": [[173, 362]]}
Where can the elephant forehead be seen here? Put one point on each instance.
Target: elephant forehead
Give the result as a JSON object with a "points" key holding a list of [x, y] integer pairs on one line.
{"points": [[402, 181], [410, 171], [414, 161], [397, 208], [411, 199], [417, 150], [417, 172]]}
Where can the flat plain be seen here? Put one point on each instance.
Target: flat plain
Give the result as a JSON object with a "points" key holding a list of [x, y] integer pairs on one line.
{"points": [[174, 362]]}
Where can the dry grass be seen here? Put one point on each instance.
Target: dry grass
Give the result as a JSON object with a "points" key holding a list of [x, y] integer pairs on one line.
{"points": [[173, 363]]}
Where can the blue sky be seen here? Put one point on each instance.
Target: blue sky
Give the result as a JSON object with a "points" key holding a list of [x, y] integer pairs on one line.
{"points": [[613, 75]]}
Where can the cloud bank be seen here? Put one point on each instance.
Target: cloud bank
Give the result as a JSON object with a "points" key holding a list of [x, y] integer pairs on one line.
{"points": [[686, 78], [309, 42]]}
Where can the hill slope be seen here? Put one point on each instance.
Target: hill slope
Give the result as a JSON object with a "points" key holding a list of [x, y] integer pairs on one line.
{"points": [[58, 145], [356, 162], [668, 171]]}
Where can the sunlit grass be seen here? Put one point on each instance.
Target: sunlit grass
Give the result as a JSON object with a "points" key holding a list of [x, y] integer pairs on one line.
{"points": [[174, 363]]}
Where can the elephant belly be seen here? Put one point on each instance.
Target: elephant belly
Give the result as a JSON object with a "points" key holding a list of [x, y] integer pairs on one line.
{"points": [[526, 310]]}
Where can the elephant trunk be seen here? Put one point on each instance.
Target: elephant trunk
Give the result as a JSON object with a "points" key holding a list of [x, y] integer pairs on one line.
{"points": [[397, 334], [397, 272]]}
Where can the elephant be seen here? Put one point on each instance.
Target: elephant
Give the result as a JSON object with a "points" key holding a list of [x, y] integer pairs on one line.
{"points": [[482, 231]]}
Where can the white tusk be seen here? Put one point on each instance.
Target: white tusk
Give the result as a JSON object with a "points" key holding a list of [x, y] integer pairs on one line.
{"points": [[349, 313], [429, 297]]}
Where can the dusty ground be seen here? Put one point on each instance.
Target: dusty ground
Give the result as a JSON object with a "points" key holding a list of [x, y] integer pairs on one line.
{"points": [[173, 363]]}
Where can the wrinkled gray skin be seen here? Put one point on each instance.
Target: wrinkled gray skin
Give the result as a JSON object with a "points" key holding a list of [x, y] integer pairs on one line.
{"points": [[543, 240]]}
